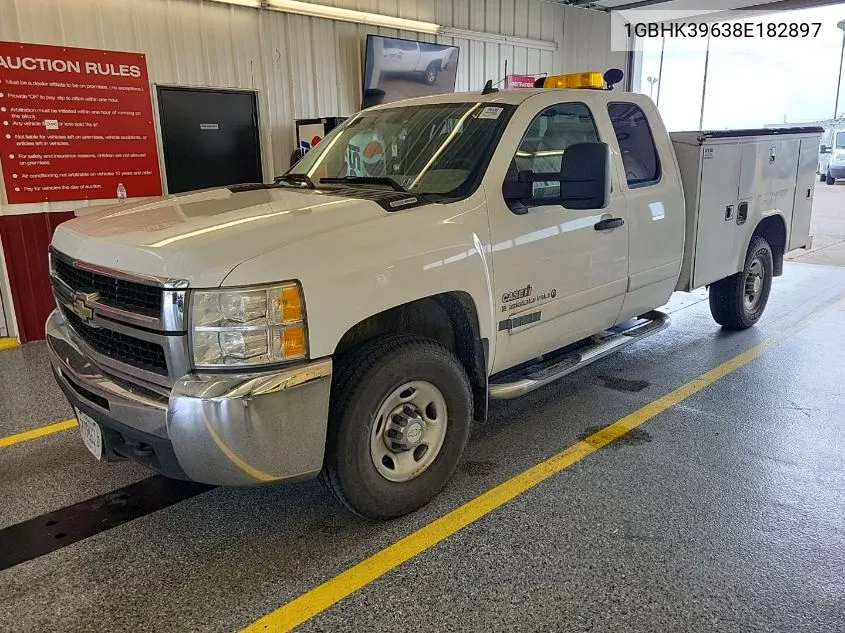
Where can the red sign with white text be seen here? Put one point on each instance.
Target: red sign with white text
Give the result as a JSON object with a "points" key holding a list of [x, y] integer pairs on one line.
{"points": [[75, 124], [521, 81]]}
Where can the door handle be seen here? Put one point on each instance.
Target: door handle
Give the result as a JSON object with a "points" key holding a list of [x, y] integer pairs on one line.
{"points": [[609, 223]]}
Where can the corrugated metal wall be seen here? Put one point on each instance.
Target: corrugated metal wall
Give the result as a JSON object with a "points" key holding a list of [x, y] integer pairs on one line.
{"points": [[302, 67]]}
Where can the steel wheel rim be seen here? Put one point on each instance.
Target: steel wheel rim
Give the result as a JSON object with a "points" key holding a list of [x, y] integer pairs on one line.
{"points": [[754, 282], [416, 412]]}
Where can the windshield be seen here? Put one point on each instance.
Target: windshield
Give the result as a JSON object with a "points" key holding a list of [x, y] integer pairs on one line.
{"points": [[429, 149], [840, 140]]}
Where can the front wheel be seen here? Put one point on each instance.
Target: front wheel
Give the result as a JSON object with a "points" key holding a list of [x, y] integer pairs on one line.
{"points": [[430, 75], [737, 302], [828, 178], [822, 178], [400, 417]]}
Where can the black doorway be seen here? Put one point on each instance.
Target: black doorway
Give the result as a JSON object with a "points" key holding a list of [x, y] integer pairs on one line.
{"points": [[209, 138]]}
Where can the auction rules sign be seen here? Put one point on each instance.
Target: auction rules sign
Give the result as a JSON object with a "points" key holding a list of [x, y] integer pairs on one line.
{"points": [[75, 123]]}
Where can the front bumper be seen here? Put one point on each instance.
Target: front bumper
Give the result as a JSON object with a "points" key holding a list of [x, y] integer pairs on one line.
{"points": [[223, 429]]}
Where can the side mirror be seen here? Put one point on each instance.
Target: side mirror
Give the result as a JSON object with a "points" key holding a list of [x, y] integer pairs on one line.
{"points": [[518, 187], [585, 176], [825, 149], [584, 179]]}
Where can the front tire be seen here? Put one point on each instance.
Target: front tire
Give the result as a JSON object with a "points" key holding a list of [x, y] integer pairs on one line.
{"points": [[822, 177], [828, 178], [430, 75], [737, 302], [400, 417]]}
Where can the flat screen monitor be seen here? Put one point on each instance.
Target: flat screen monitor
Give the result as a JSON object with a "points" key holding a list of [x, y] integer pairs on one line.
{"points": [[397, 69]]}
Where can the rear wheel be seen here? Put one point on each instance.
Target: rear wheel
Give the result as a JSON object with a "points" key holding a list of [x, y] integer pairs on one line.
{"points": [[822, 178], [400, 418], [829, 179], [737, 302]]}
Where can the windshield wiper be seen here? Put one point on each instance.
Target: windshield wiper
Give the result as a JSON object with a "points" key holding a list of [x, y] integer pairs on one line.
{"points": [[298, 178], [366, 180]]}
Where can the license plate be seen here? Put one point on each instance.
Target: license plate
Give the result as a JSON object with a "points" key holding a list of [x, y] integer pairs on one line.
{"points": [[92, 435]]}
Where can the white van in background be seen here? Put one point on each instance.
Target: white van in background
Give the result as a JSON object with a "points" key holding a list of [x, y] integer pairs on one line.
{"points": [[832, 155]]}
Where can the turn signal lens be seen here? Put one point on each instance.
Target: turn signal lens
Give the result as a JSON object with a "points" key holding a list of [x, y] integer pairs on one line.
{"points": [[294, 342], [291, 306]]}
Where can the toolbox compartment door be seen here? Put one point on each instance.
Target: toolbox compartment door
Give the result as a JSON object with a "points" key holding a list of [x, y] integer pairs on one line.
{"points": [[799, 234]]}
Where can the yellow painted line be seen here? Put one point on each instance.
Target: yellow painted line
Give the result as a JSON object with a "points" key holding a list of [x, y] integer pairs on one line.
{"points": [[320, 598], [8, 343], [41, 431]]}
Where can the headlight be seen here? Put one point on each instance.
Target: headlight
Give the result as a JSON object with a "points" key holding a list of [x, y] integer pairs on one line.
{"points": [[249, 326]]}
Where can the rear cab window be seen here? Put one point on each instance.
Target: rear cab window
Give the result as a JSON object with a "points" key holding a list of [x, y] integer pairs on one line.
{"points": [[636, 144]]}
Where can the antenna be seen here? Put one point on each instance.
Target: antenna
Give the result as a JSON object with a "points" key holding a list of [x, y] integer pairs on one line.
{"points": [[488, 88]]}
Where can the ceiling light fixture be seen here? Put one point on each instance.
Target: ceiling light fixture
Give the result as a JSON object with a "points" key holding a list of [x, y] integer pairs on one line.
{"points": [[349, 15], [374, 19], [255, 4]]}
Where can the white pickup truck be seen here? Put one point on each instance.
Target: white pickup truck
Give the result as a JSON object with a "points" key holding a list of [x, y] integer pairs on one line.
{"points": [[420, 58], [354, 326]]}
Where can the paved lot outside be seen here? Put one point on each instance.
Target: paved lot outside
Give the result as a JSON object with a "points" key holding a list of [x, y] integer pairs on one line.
{"points": [[827, 228]]}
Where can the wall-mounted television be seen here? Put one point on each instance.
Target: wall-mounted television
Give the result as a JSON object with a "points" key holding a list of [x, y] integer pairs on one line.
{"points": [[397, 69]]}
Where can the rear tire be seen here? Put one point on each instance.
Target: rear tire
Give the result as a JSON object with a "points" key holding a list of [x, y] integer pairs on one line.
{"points": [[737, 302], [822, 178], [369, 394], [828, 178]]}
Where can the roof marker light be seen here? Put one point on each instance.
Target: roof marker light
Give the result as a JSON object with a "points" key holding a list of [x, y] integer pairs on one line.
{"points": [[591, 79]]}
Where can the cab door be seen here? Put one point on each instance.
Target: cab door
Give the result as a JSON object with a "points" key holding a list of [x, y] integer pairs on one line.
{"points": [[558, 275], [650, 181], [400, 55]]}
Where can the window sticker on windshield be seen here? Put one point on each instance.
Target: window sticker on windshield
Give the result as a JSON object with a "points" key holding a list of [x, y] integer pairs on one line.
{"points": [[490, 112]]}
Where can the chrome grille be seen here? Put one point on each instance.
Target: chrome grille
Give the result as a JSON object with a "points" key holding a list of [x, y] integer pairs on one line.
{"points": [[117, 293], [133, 325], [144, 355]]}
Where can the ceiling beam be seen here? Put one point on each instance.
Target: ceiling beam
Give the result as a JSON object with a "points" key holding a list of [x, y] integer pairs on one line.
{"points": [[771, 5], [790, 5], [638, 4]]}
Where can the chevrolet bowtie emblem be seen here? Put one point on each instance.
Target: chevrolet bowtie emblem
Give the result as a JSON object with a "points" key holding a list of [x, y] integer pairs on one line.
{"points": [[81, 307]]}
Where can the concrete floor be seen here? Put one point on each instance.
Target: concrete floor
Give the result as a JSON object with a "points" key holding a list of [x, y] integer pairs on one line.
{"points": [[724, 513]]}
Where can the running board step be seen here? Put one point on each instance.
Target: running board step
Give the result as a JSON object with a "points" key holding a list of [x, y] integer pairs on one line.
{"points": [[546, 370]]}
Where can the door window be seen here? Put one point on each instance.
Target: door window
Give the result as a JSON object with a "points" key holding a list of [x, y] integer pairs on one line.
{"points": [[547, 138], [636, 144], [405, 45]]}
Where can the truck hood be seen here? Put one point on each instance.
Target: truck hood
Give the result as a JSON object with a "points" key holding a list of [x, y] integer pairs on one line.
{"points": [[200, 237]]}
